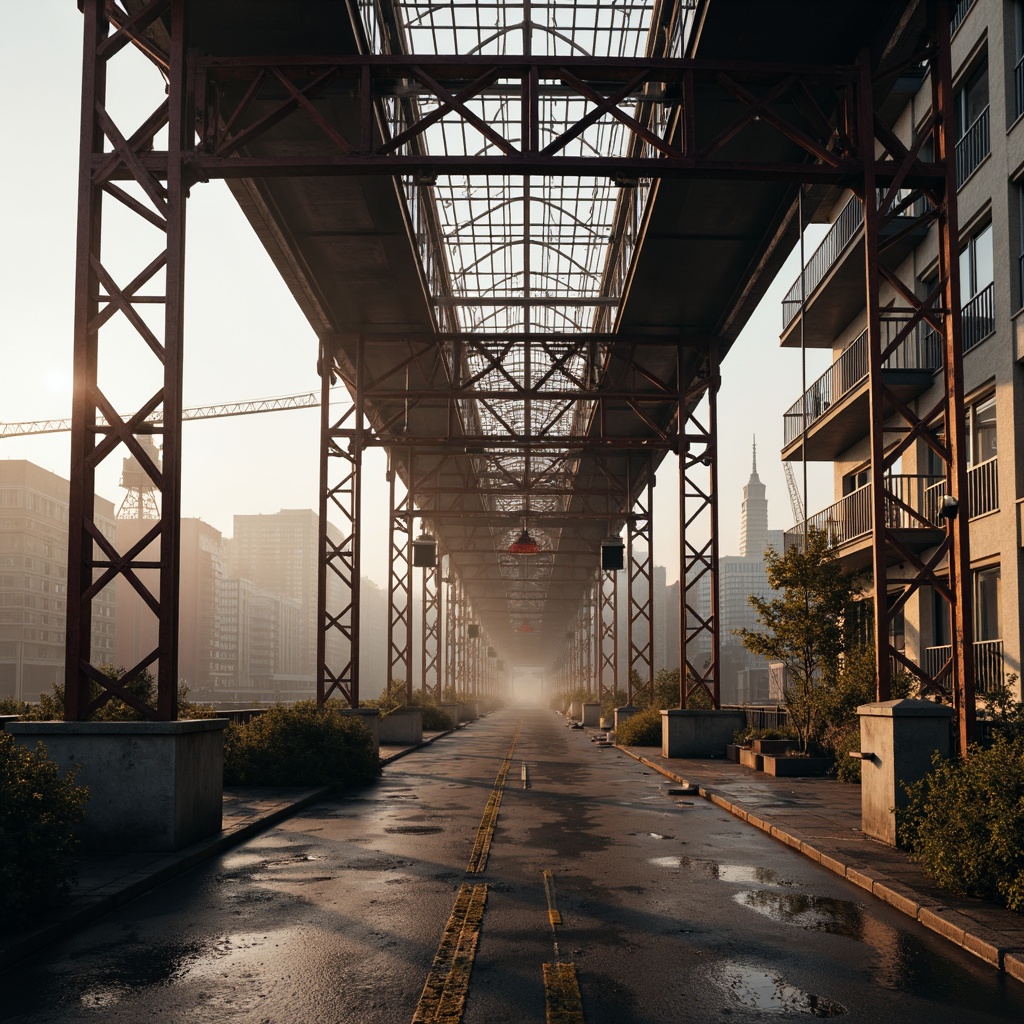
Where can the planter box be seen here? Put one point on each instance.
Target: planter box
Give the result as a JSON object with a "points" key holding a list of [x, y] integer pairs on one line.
{"points": [[796, 767], [751, 759], [774, 747], [692, 733], [591, 715], [403, 726], [732, 751]]}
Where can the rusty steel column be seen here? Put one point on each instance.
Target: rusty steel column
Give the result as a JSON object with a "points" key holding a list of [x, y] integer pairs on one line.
{"points": [[156, 199], [640, 619], [608, 635], [451, 626], [338, 572], [699, 663], [430, 632], [400, 528]]}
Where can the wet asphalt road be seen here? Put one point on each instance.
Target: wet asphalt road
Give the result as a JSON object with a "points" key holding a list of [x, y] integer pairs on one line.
{"points": [[672, 911]]}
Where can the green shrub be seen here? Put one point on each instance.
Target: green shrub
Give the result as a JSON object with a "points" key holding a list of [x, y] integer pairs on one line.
{"points": [[434, 719], [642, 730], [301, 745], [965, 823], [39, 814]]}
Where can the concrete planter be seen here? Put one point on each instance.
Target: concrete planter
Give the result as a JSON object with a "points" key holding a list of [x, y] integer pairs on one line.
{"points": [[624, 714], [591, 716], [732, 751], [467, 711], [796, 767], [5, 720], [370, 717], [452, 711], [607, 723], [691, 733], [774, 747], [154, 786], [751, 759], [402, 727]]}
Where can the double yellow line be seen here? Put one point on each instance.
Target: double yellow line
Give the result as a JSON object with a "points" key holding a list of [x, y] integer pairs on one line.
{"points": [[563, 1003], [447, 985]]}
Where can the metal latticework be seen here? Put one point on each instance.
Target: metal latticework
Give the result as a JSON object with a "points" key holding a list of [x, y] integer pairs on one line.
{"points": [[608, 635], [430, 632], [640, 614], [400, 611], [698, 545]]}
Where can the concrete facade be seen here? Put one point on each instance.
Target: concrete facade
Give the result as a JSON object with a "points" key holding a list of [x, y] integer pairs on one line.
{"points": [[403, 726], [152, 785]]}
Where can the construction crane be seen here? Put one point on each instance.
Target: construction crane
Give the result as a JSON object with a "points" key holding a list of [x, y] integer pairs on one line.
{"points": [[794, 495], [307, 400]]}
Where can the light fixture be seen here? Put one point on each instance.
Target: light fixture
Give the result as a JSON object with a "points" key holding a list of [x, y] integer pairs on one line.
{"points": [[472, 630], [424, 551], [613, 556], [948, 507], [524, 628], [525, 545]]}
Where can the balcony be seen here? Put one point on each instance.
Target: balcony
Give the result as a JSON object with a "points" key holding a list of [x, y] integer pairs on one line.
{"points": [[1018, 88], [979, 317], [847, 523], [835, 407], [959, 14], [982, 491], [833, 278], [972, 147], [988, 664]]}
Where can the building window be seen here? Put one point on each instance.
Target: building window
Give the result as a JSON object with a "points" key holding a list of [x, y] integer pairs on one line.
{"points": [[978, 288], [986, 604], [1018, 70], [981, 431], [970, 120]]}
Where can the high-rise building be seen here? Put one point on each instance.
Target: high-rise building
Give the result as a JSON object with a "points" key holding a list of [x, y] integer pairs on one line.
{"points": [[33, 580], [280, 554]]}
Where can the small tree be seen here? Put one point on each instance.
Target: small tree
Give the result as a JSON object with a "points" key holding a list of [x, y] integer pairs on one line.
{"points": [[804, 626]]}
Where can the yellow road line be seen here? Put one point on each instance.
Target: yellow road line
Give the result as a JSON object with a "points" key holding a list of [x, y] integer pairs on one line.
{"points": [[562, 1001], [485, 831], [549, 891], [447, 984]]}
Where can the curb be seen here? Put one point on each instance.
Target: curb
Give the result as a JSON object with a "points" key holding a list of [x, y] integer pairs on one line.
{"points": [[997, 950], [163, 870]]}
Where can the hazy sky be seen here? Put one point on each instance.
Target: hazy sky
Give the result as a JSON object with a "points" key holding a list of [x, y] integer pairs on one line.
{"points": [[245, 337]]}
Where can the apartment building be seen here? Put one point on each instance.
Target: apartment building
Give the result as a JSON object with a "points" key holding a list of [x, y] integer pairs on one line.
{"points": [[826, 309], [33, 580]]}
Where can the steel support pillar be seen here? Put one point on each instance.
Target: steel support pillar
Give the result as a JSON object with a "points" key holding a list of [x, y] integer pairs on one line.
{"points": [[608, 636], [898, 316], [430, 632], [699, 638], [451, 629], [338, 575], [640, 559], [400, 530], [154, 200]]}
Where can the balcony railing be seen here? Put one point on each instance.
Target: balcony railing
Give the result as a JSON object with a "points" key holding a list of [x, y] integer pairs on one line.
{"points": [[972, 148], [959, 14], [979, 317], [850, 517], [920, 351], [988, 664], [982, 491]]}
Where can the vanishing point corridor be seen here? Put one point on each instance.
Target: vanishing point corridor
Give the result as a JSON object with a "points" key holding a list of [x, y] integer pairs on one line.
{"points": [[361, 909]]}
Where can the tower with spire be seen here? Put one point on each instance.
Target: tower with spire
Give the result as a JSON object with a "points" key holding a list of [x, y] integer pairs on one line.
{"points": [[754, 518]]}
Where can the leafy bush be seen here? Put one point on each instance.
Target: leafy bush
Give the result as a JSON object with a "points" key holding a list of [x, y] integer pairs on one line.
{"points": [[750, 733], [301, 745], [642, 730], [39, 814], [965, 823]]}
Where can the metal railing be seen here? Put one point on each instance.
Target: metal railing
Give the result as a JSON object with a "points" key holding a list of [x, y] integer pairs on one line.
{"points": [[979, 317], [972, 147], [846, 225], [959, 14], [919, 351], [988, 664], [850, 518], [762, 717], [982, 490]]}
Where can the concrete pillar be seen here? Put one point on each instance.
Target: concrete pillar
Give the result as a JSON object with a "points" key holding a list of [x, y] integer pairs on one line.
{"points": [[154, 786], [370, 717], [623, 714], [897, 741], [591, 715]]}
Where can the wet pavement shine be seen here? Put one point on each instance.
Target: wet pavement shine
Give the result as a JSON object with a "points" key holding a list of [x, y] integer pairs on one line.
{"points": [[608, 898]]}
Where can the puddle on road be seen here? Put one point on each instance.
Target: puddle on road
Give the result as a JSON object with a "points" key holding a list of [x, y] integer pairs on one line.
{"points": [[746, 874], [813, 913], [652, 835], [668, 862], [760, 990], [413, 830]]}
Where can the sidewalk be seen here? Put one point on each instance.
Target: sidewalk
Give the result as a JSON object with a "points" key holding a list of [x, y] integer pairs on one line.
{"points": [[107, 881], [821, 819]]}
